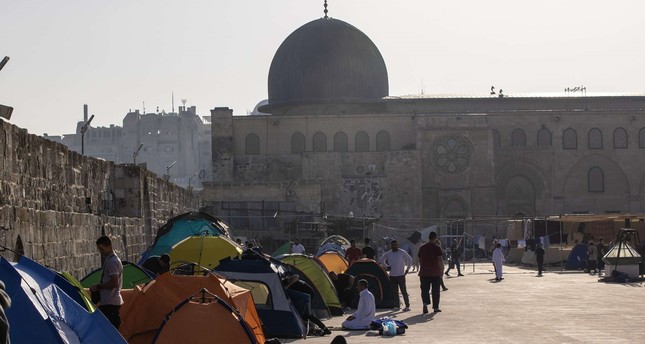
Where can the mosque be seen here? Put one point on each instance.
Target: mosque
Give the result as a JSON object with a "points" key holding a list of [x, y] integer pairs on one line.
{"points": [[332, 141]]}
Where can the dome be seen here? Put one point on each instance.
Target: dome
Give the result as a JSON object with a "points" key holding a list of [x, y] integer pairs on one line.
{"points": [[324, 61]]}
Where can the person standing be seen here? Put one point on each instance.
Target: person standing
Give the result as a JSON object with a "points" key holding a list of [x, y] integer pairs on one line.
{"points": [[398, 264], [415, 254], [539, 258], [365, 313], [296, 247], [454, 258], [498, 261], [111, 279], [592, 253], [443, 266], [430, 272], [368, 251], [352, 253], [602, 250]]}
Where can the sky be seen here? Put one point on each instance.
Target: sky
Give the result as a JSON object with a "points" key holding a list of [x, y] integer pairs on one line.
{"points": [[116, 55]]}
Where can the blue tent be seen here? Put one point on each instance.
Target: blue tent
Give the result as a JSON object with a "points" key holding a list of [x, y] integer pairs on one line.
{"points": [[27, 266], [262, 277], [42, 312], [181, 227], [578, 257]]}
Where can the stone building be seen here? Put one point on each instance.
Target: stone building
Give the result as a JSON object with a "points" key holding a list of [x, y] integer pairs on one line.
{"points": [[180, 140], [333, 141]]}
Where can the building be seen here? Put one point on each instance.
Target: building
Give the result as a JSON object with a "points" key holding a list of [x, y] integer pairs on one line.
{"points": [[175, 145], [333, 142]]}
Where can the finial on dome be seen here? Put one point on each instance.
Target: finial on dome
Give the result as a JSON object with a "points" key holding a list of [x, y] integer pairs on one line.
{"points": [[326, 17]]}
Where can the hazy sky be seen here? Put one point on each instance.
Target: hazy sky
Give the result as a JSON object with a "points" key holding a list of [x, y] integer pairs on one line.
{"points": [[114, 55]]}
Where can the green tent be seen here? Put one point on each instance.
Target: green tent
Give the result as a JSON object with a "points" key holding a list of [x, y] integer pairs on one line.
{"points": [[318, 276], [283, 249], [132, 275], [87, 302]]}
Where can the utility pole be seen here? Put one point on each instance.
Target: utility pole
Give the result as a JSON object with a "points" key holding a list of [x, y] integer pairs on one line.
{"points": [[134, 155], [83, 130]]}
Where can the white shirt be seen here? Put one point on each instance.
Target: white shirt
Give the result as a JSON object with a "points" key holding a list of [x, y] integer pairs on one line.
{"points": [[498, 256], [297, 248], [397, 261], [366, 307], [112, 267]]}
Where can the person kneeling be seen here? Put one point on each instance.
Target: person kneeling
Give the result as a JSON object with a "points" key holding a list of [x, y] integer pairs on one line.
{"points": [[366, 309]]}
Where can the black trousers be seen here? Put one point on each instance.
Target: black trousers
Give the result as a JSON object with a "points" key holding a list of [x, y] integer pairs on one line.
{"points": [[455, 263], [112, 314], [540, 266], [426, 283], [399, 282]]}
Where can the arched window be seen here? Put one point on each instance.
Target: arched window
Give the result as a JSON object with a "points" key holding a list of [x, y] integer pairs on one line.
{"points": [[18, 250], [382, 141], [641, 138], [497, 140], [620, 138], [518, 138], [297, 143], [252, 144], [544, 137], [595, 138], [340, 142], [320, 142], [362, 142], [596, 180], [569, 139]]}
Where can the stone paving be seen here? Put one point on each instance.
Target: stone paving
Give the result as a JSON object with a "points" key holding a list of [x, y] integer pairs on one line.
{"points": [[560, 307]]}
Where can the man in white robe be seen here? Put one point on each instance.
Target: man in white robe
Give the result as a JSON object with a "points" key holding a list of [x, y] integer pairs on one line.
{"points": [[366, 309], [498, 261]]}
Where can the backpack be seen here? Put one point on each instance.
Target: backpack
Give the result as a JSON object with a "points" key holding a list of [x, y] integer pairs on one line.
{"points": [[388, 326]]}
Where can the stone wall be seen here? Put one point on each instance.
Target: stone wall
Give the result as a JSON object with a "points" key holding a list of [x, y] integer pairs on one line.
{"points": [[54, 203]]}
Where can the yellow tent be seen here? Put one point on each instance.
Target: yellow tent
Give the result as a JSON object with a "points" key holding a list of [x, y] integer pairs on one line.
{"points": [[333, 261], [205, 251]]}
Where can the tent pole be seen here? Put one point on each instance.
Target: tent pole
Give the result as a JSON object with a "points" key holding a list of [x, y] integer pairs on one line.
{"points": [[561, 266], [472, 230]]}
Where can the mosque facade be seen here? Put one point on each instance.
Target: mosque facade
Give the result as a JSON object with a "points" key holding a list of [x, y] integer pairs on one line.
{"points": [[332, 140]]}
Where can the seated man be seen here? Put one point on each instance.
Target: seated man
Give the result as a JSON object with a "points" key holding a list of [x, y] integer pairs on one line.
{"points": [[300, 294], [158, 265], [343, 284], [366, 309]]}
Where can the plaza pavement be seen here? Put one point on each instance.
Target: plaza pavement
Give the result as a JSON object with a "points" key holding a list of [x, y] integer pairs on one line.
{"points": [[560, 307]]}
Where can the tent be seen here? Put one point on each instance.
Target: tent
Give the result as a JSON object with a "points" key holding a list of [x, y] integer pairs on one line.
{"points": [[43, 312], [132, 275], [333, 261], [577, 257], [263, 278], [282, 249], [312, 272], [377, 280], [85, 296], [148, 306], [333, 243], [206, 311], [336, 239], [181, 227], [206, 251]]}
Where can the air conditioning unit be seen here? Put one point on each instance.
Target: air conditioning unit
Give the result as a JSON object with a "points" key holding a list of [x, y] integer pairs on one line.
{"points": [[5, 111]]}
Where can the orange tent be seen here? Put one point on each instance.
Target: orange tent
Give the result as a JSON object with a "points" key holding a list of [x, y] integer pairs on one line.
{"points": [[148, 306], [223, 323], [333, 261]]}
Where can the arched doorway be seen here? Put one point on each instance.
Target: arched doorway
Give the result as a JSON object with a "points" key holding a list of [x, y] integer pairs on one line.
{"points": [[520, 196]]}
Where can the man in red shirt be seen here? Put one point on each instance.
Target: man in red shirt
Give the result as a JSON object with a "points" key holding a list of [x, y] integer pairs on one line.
{"points": [[353, 253], [431, 264]]}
